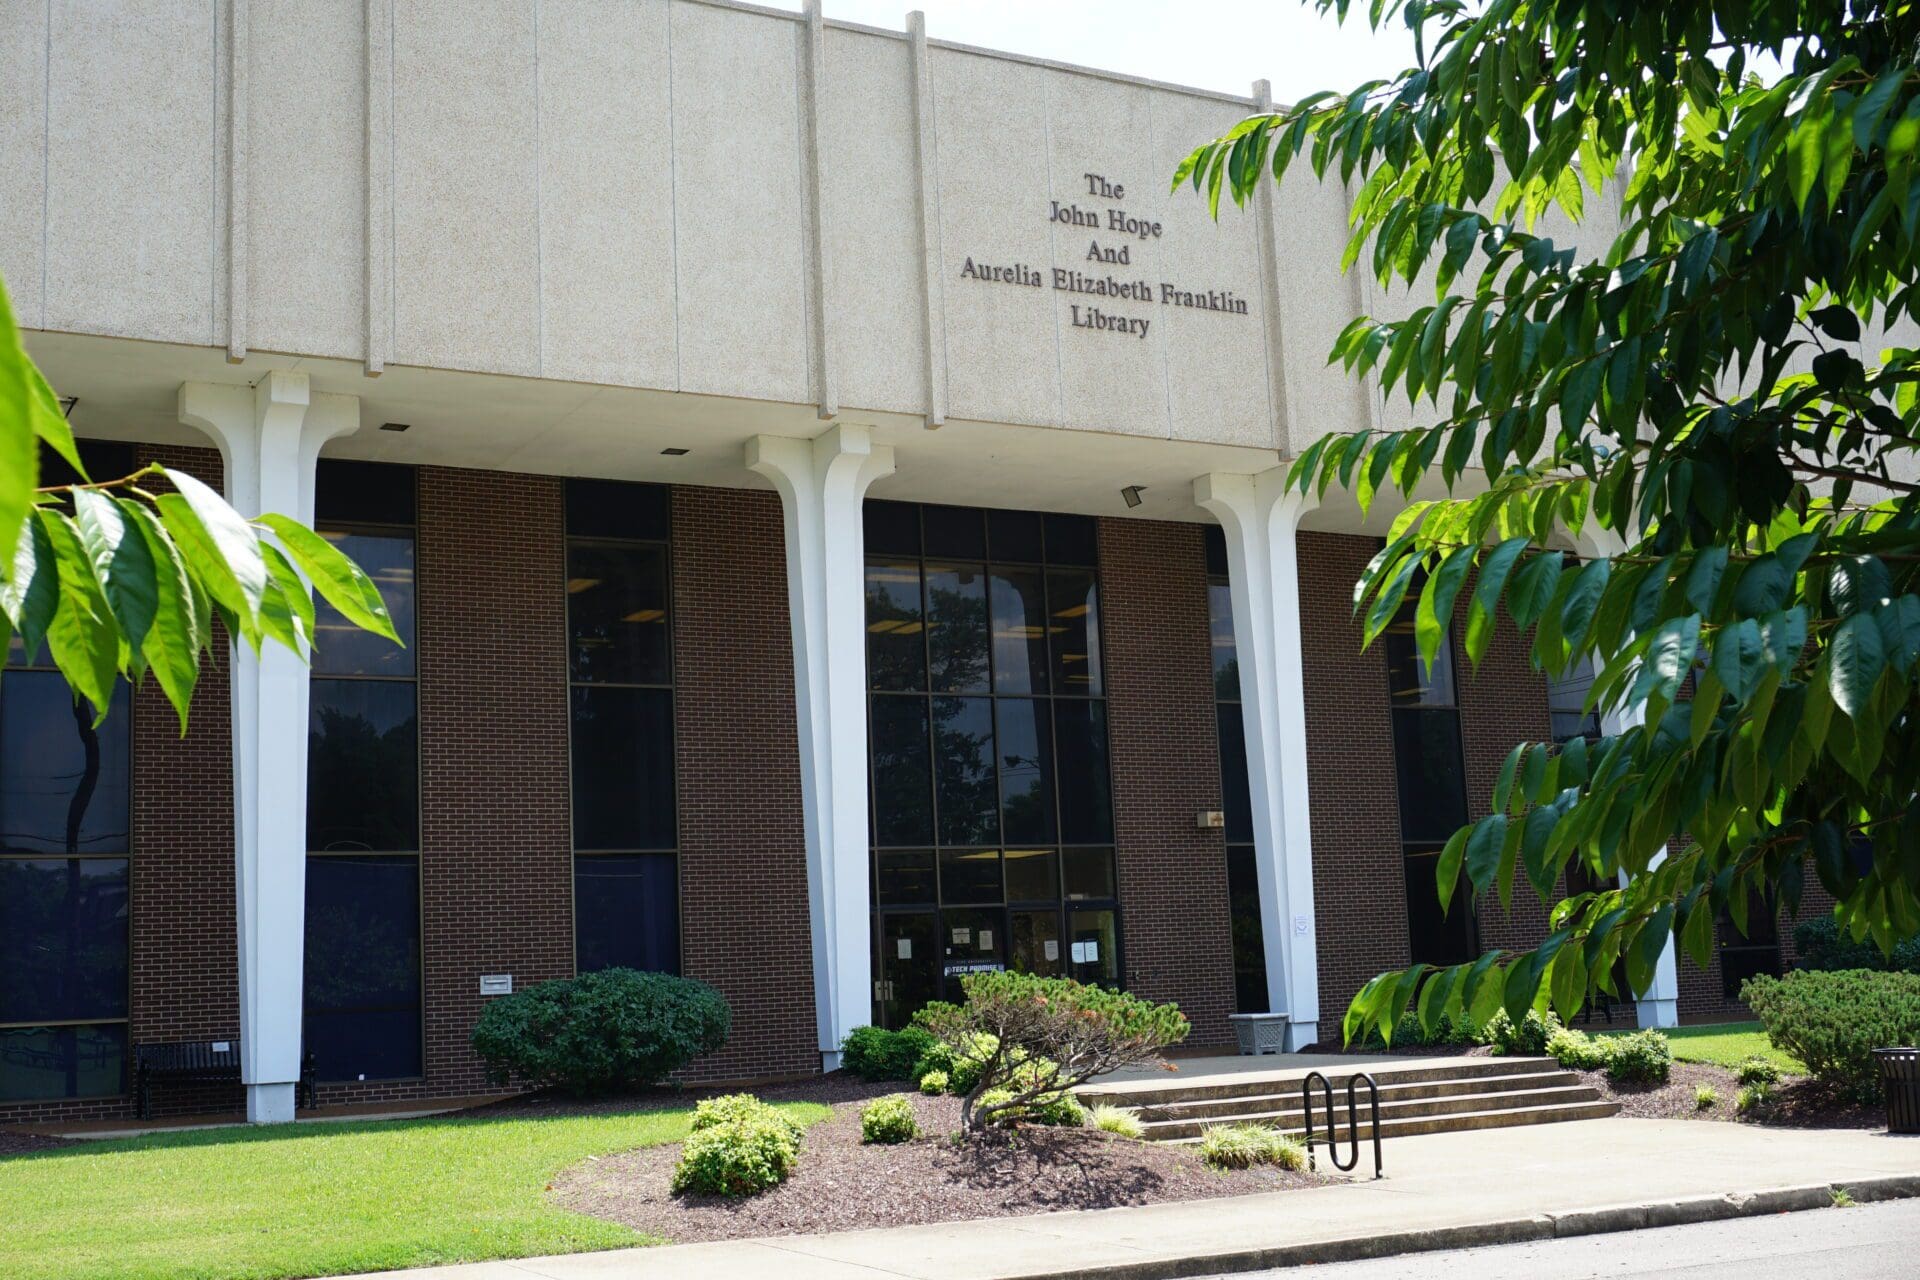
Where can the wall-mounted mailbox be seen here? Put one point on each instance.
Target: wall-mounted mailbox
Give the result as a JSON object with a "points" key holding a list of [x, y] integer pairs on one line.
{"points": [[496, 984]]}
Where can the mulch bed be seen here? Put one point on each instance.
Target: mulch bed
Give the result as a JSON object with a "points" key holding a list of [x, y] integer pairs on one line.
{"points": [[841, 1184], [1795, 1103], [20, 1144]]}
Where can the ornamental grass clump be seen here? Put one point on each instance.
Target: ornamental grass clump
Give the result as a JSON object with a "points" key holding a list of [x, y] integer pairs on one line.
{"points": [[1026, 1041], [1242, 1146], [740, 1146], [1118, 1121], [888, 1120], [1705, 1097]]}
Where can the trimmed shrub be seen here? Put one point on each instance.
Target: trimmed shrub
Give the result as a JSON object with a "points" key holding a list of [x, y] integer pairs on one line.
{"points": [[1409, 1033], [888, 1120], [934, 1082], [1578, 1051], [1834, 1020], [739, 1108], [603, 1032], [737, 1157], [1529, 1037], [874, 1053], [1758, 1071], [1115, 1120], [1642, 1057], [1820, 944], [1242, 1146], [1705, 1096]]}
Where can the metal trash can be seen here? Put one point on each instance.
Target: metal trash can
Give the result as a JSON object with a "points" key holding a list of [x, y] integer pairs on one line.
{"points": [[1900, 1077], [1260, 1032]]}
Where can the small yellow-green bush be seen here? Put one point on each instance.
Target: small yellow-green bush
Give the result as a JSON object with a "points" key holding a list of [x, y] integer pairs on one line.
{"points": [[734, 1108], [888, 1120], [737, 1157], [1644, 1057], [1576, 1050], [934, 1082], [1758, 1070], [1528, 1037]]}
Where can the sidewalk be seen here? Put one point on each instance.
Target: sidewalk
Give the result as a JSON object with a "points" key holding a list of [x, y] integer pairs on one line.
{"points": [[1443, 1191]]}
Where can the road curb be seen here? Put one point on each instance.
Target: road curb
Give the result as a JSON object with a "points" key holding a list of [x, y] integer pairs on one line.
{"points": [[1543, 1226]]}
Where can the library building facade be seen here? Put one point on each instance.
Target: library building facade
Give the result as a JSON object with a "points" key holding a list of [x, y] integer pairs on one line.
{"points": [[830, 492]]}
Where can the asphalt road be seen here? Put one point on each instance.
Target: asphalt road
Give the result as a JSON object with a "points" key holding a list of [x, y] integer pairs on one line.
{"points": [[1865, 1242]]}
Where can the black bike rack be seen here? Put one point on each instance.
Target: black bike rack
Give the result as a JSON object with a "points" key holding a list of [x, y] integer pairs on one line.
{"points": [[1353, 1120]]}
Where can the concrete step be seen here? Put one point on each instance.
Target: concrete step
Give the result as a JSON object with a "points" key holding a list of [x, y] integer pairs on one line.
{"points": [[1162, 1124], [1462, 1121], [1283, 1099], [1285, 1080]]}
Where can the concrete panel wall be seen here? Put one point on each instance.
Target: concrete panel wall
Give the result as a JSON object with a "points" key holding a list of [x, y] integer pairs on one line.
{"points": [[306, 176], [132, 204], [618, 192], [737, 201]]}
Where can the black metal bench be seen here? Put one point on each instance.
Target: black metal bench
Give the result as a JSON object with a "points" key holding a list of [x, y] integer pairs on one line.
{"points": [[197, 1062]]}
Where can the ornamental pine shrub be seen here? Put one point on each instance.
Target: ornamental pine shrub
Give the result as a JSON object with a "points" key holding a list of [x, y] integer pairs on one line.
{"points": [[1055, 1110], [875, 1053], [888, 1120], [737, 1157], [1833, 1020], [603, 1032], [960, 1063], [1641, 1057], [1819, 944], [1036, 1038]]}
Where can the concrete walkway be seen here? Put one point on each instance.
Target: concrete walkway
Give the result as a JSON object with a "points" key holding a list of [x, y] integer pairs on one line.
{"points": [[1443, 1191]]}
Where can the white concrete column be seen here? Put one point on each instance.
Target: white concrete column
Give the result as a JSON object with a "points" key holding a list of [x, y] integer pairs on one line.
{"points": [[1659, 1004], [1260, 518], [822, 483], [270, 436]]}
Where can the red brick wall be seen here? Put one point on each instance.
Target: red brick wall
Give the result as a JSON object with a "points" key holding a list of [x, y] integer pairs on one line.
{"points": [[743, 862], [1166, 768], [1359, 888]]}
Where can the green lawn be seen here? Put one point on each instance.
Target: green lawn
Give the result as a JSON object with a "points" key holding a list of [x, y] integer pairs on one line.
{"points": [[1727, 1044], [313, 1199]]}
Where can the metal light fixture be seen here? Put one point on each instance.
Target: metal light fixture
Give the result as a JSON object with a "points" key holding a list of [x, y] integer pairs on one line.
{"points": [[1132, 494], [396, 426], [66, 405], [675, 452]]}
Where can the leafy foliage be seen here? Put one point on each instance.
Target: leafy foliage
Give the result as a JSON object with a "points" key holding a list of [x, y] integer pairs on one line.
{"points": [[1527, 1037], [875, 1053], [1757, 1071], [888, 1120], [601, 1032], [1640, 1057], [1028, 1040], [934, 1082], [736, 1108], [1833, 1021], [1707, 402], [1578, 1051], [125, 575]]}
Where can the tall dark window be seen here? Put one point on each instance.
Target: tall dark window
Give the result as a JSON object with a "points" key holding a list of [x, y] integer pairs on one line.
{"points": [[65, 799], [992, 822], [1430, 767], [362, 1007], [626, 891], [1236, 796]]}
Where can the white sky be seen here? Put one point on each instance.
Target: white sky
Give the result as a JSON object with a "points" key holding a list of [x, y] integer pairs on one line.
{"points": [[1209, 44]]}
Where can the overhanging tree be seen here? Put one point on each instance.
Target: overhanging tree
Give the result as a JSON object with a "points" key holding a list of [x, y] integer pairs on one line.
{"points": [[1712, 391], [121, 576]]}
